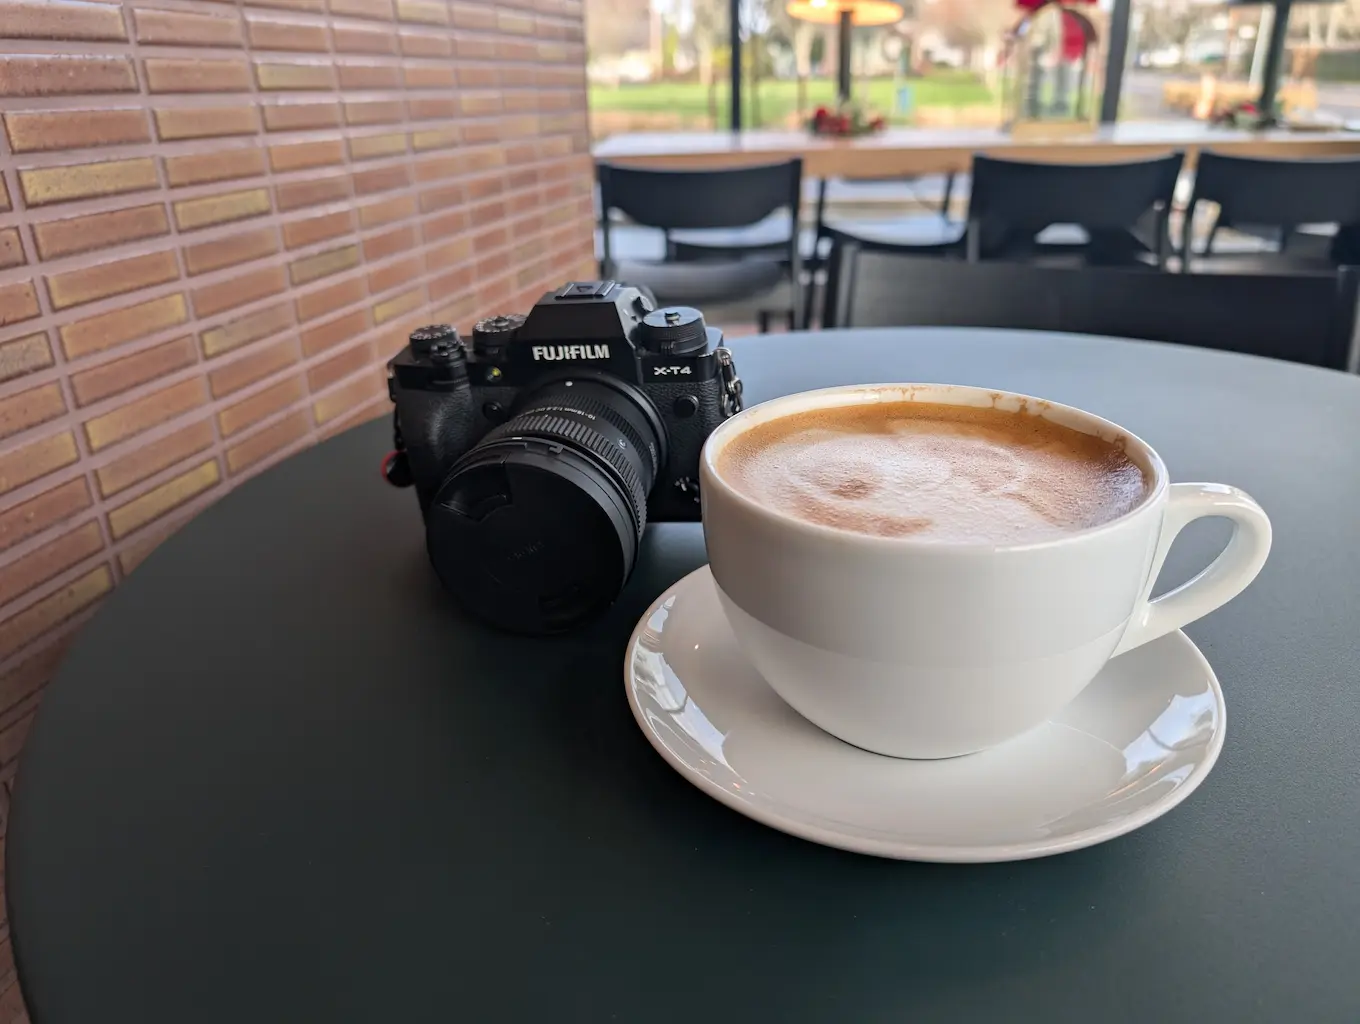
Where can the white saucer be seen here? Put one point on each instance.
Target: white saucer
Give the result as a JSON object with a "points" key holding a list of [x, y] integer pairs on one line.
{"points": [[1133, 745]]}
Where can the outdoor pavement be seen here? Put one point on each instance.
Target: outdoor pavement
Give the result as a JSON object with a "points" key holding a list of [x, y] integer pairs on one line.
{"points": [[1142, 95]]}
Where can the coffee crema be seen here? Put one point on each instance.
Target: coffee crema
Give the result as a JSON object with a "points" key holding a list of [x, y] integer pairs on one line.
{"points": [[938, 472]]}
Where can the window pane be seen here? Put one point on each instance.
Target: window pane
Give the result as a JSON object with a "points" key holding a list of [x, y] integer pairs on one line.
{"points": [[1189, 59], [1322, 62], [658, 65], [937, 66]]}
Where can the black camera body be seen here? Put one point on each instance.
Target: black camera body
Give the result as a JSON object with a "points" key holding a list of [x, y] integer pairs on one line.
{"points": [[539, 456]]}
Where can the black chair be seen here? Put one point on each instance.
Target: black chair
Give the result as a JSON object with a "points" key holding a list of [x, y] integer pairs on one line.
{"points": [[1304, 318], [1122, 211], [919, 234], [1272, 199], [674, 201]]}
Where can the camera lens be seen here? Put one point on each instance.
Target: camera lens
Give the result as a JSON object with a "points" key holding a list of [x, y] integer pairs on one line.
{"points": [[537, 527]]}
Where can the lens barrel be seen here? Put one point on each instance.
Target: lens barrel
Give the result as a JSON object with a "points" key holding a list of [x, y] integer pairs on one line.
{"points": [[537, 527]]}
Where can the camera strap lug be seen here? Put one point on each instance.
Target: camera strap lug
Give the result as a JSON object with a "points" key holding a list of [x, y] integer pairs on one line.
{"points": [[731, 383], [396, 466]]}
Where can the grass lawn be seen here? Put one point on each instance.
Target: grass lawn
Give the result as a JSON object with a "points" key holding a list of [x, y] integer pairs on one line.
{"points": [[778, 98]]}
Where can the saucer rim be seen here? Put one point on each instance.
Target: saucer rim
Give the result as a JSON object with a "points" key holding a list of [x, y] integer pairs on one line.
{"points": [[914, 850]]}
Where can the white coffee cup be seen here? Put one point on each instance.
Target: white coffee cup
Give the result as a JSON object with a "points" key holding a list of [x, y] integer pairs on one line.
{"points": [[923, 648]]}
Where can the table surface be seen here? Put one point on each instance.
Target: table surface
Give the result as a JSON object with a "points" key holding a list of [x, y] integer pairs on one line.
{"points": [[931, 150], [279, 777]]}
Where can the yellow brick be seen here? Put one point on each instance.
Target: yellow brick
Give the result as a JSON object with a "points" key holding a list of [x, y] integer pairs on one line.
{"points": [[144, 413], [11, 248], [294, 76], [422, 11], [37, 619], [146, 460], [484, 159], [155, 503], [196, 75], [481, 103], [24, 355], [212, 299], [306, 154], [386, 211], [112, 278], [135, 553], [75, 129], [199, 168], [81, 181], [369, 146], [27, 463], [29, 408], [344, 398], [71, 235], [259, 324], [18, 301], [440, 138], [309, 268], [117, 326], [202, 122], [517, 24], [283, 117], [260, 362], [228, 252], [31, 20], [292, 428], [50, 560], [200, 213], [374, 111], [396, 306], [236, 418]]}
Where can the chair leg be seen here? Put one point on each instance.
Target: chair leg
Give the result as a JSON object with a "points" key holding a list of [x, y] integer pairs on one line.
{"points": [[948, 195], [763, 321], [790, 318], [831, 284], [812, 266]]}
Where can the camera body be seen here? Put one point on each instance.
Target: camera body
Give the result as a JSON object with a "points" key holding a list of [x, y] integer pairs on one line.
{"points": [[595, 387]]}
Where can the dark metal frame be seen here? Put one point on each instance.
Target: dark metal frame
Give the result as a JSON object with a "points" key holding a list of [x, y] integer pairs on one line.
{"points": [[1119, 45], [1116, 57], [1270, 77]]}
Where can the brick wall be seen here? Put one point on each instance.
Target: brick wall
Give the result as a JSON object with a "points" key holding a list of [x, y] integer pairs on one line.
{"points": [[217, 220]]}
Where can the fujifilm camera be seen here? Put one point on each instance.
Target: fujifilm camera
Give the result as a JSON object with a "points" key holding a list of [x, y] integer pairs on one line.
{"points": [[539, 454]]}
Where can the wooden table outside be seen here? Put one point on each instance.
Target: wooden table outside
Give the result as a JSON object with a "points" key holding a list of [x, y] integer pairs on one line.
{"points": [[912, 151]]}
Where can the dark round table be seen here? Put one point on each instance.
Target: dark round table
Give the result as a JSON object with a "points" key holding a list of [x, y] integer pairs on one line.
{"points": [[281, 778]]}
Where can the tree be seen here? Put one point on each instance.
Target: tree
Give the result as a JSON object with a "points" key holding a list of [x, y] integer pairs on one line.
{"points": [[614, 27], [709, 36], [970, 24], [767, 27]]}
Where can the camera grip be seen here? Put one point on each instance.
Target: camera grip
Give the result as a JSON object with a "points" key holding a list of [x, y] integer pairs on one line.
{"points": [[437, 428], [685, 435]]}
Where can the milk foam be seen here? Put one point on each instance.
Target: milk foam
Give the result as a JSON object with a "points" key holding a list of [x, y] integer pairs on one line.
{"points": [[942, 472]]}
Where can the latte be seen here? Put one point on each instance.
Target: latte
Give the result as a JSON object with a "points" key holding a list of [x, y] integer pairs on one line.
{"points": [[940, 472]]}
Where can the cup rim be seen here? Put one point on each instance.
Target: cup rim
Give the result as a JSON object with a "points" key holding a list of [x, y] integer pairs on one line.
{"points": [[776, 408]]}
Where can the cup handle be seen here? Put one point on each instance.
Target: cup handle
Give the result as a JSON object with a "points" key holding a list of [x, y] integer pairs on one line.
{"points": [[1224, 578]]}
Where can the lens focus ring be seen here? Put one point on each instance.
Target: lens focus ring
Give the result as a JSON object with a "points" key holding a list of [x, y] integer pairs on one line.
{"points": [[581, 434]]}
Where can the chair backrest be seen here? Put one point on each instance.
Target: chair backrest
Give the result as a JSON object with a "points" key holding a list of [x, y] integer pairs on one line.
{"points": [[1302, 318], [1275, 193], [1011, 199], [731, 197]]}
